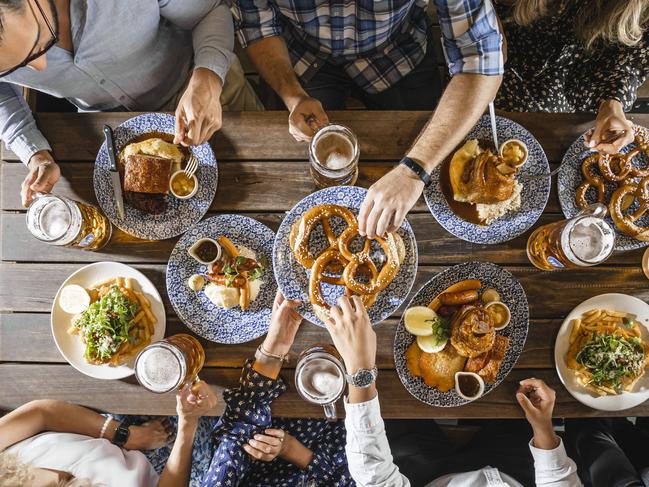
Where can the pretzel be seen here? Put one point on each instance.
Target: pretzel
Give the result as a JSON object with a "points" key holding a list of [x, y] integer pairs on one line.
{"points": [[590, 180], [626, 222]]}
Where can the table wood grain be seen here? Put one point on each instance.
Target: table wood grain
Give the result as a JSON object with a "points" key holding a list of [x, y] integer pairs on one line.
{"points": [[257, 158]]}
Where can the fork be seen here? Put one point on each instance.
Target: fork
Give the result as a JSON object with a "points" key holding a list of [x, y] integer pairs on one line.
{"points": [[192, 166]]}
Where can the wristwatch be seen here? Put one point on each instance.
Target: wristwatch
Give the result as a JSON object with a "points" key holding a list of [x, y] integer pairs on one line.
{"points": [[418, 170], [121, 435], [362, 377]]}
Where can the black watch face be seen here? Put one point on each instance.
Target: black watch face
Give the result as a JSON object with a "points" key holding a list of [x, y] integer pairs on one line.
{"points": [[363, 378]]}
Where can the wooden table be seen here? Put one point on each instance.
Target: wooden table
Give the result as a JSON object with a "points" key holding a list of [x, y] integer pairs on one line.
{"points": [[263, 173]]}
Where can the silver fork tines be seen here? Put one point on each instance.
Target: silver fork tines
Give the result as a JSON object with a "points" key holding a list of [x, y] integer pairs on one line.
{"points": [[192, 166]]}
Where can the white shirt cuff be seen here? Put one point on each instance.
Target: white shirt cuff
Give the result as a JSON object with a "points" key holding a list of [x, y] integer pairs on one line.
{"points": [[363, 416], [217, 61], [549, 459], [28, 143]]}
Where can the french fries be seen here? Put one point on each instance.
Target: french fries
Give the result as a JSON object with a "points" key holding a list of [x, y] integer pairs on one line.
{"points": [[141, 327]]}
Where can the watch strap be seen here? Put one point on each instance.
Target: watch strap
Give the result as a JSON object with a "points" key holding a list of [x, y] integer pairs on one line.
{"points": [[121, 435], [352, 379], [417, 169]]}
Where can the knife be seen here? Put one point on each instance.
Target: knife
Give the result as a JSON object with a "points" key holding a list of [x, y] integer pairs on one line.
{"points": [[114, 173]]}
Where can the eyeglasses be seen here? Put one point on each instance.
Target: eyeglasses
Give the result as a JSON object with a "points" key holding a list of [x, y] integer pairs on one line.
{"points": [[48, 46]]}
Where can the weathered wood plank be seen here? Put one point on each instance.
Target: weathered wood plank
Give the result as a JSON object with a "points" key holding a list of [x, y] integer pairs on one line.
{"points": [[435, 245], [31, 287], [26, 337], [22, 383], [383, 135], [243, 186]]}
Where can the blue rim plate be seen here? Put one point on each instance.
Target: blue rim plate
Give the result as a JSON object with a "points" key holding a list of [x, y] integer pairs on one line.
{"points": [[534, 195], [511, 293], [293, 279], [570, 177], [180, 214], [199, 313]]}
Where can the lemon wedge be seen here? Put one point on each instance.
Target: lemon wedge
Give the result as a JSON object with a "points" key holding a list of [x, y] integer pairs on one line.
{"points": [[74, 299], [431, 344], [419, 320]]}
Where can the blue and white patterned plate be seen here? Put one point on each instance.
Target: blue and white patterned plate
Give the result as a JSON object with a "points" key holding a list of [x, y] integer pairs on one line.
{"points": [[293, 279], [180, 214], [511, 293], [202, 316], [534, 195], [570, 177]]}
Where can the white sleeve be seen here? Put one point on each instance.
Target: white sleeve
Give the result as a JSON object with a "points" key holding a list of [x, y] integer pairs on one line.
{"points": [[368, 452], [554, 468]]}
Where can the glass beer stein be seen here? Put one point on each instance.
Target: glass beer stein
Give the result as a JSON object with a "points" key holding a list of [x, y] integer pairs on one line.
{"points": [[170, 363], [320, 378], [582, 241], [333, 156], [61, 221]]}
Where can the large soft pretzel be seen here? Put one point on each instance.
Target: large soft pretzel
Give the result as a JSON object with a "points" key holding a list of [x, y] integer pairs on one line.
{"points": [[591, 180], [626, 222]]}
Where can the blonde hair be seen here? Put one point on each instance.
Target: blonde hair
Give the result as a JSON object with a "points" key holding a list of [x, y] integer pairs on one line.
{"points": [[13, 473], [598, 21]]}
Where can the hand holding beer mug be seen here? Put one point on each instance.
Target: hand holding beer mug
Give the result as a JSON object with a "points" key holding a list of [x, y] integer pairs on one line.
{"points": [[172, 363], [194, 402], [582, 241]]}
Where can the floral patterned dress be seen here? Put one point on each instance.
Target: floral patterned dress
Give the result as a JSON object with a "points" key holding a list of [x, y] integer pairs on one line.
{"points": [[248, 413], [549, 70]]}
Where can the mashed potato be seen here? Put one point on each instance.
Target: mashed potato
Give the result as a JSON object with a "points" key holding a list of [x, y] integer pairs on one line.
{"points": [[489, 213]]}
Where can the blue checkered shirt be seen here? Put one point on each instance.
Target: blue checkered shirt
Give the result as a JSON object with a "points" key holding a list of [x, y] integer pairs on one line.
{"points": [[377, 42]]}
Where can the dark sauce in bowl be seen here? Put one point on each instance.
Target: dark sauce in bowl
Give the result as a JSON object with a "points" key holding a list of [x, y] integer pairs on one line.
{"points": [[207, 251], [469, 385]]}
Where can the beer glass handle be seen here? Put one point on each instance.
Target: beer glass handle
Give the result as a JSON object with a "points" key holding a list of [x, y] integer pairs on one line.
{"points": [[597, 210], [330, 411]]}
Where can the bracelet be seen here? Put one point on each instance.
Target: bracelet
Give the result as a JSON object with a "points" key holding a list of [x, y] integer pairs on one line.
{"points": [[417, 169], [105, 427], [262, 351]]}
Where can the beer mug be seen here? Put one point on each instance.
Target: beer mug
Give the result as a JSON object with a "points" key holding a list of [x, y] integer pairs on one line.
{"points": [[61, 221], [333, 156], [320, 378], [582, 241], [170, 363]]}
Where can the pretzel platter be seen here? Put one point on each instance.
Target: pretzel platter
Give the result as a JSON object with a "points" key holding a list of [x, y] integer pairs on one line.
{"points": [[338, 264]]}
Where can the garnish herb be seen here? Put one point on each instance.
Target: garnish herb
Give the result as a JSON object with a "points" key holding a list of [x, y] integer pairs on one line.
{"points": [[441, 328]]}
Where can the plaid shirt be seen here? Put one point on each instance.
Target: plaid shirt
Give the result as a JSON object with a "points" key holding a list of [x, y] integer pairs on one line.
{"points": [[377, 42]]}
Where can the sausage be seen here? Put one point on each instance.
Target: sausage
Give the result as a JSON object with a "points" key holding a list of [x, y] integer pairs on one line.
{"points": [[461, 297], [221, 279]]}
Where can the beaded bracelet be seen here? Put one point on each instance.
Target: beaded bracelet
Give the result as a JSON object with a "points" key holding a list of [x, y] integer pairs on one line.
{"points": [[105, 427]]}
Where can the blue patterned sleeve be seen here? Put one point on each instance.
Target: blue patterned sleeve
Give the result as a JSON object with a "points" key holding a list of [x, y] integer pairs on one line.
{"points": [[255, 20], [471, 36]]}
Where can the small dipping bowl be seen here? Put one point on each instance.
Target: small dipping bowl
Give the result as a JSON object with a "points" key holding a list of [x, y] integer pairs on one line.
{"points": [[645, 263], [469, 385], [514, 142], [501, 312], [181, 188], [194, 250]]}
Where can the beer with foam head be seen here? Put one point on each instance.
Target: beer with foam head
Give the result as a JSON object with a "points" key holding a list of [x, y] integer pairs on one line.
{"points": [[320, 377], [334, 154]]}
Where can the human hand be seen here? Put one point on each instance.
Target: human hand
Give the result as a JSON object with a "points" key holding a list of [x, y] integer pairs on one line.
{"points": [[284, 323], [537, 401], [41, 178], [352, 334], [305, 118], [195, 401], [149, 436], [268, 446], [610, 121], [388, 201], [198, 114]]}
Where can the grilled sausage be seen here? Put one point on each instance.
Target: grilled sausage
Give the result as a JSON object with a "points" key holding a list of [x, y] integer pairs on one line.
{"points": [[458, 298]]}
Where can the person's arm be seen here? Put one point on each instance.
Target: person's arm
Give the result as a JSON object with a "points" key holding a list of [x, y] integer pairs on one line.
{"points": [[199, 112], [191, 405], [47, 415], [552, 466], [368, 451], [259, 31], [472, 42]]}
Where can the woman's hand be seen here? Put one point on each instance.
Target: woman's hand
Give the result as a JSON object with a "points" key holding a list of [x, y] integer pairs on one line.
{"points": [[43, 175], [194, 402], [198, 114], [388, 201], [149, 436], [268, 446], [305, 117], [537, 401], [352, 334], [284, 324], [610, 121]]}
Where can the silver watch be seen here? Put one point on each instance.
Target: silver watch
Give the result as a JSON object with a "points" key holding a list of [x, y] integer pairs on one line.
{"points": [[362, 377]]}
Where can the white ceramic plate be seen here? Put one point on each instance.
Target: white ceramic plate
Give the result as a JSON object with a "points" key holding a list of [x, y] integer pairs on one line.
{"points": [[71, 346], [614, 302]]}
